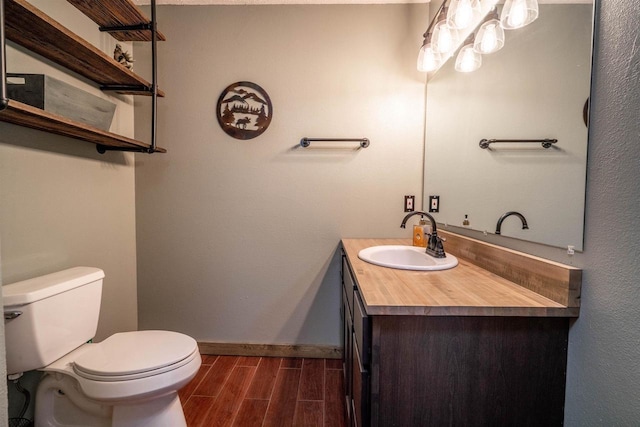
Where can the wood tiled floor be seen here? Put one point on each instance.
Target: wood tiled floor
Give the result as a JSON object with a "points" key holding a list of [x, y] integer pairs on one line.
{"points": [[264, 392]]}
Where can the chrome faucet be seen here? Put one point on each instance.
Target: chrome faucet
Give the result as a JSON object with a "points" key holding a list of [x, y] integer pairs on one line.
{"points": [[435, 248], [508, 214]]}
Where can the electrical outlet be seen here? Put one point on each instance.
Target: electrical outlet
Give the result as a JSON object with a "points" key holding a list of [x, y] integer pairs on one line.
{"points": [[409, 203], [434, 203]]}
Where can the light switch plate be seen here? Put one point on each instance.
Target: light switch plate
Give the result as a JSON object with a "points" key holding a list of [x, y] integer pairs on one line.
{"points": [[409, 203], [434, 203]]}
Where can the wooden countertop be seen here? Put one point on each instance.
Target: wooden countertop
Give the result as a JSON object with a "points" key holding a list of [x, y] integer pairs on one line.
{"points": [[466, 290]]}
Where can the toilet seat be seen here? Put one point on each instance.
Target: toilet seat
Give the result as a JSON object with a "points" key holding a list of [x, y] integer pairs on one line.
{"points": [[131, 365], [134, 355]]}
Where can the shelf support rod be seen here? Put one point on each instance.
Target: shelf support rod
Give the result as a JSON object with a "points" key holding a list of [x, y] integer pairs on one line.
{"points": [[4, 101], [154, 80], [153, 89]]}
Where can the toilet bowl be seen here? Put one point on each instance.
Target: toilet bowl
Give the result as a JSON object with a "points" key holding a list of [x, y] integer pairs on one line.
{"points": [[130, 379]]}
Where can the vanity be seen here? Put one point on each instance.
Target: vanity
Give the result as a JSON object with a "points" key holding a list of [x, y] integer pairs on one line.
{"points": [[484, 343]]}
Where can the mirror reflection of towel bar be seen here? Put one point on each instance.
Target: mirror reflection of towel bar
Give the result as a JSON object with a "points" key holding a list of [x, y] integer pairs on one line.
{"points": [[546, 143], [305, 142]]}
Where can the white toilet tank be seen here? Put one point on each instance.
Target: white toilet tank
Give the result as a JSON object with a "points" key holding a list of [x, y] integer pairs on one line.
{"points": [[49, 316]]}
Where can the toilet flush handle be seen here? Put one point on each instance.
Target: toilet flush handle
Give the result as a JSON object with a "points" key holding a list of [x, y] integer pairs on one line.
{"points": [[10, 315]]}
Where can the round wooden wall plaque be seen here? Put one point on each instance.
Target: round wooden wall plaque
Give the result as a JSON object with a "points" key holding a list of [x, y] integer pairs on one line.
{"points": [[244, 110]]}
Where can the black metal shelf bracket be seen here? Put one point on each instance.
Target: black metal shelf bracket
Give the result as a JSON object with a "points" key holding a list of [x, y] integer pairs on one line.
{"points": [[546, 143], [104, 148], [137, 27], [4, 100], [153, 27], [127, 88]]}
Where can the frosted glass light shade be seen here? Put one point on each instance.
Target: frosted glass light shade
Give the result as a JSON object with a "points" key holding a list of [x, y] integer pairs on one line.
{"points": [[468, 59], [461, 13], [444, 38], [428, 58], [518, 13], [490, 37]]}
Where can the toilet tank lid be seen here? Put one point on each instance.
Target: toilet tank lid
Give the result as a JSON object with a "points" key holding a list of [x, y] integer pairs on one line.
{"points": [[31, 290]]}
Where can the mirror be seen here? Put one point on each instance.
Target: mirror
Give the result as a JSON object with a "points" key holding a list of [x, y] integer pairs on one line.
{"points": [[535, 87]]}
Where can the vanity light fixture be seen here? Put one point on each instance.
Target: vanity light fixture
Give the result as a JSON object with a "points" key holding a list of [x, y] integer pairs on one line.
{"points": [[428, 58], [445, 33], [468, 59], [518, 13], [490, 37], [461, 13]]}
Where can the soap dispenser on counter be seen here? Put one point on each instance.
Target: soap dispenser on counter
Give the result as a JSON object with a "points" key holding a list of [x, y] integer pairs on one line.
{"points": [[418, 233]]}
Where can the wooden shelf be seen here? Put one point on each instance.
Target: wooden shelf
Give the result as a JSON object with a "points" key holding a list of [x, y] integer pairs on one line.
{"points": [[117, 13], [28, 116], [29, 27]]}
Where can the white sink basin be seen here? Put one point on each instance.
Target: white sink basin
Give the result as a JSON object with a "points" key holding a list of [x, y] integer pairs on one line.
{"points": [[406, 258]]}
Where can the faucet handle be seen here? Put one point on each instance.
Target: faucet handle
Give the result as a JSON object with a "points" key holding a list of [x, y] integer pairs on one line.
{"points": [[437, 236]]}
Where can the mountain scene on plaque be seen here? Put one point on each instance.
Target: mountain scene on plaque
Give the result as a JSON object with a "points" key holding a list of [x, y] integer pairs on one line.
{"points": [[244, 110]]}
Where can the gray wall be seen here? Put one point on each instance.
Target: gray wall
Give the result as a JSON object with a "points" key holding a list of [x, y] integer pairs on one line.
{"points": [[237, 239], [603, 379], [61, 203]]}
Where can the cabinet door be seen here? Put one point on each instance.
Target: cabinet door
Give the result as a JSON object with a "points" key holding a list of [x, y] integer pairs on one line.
{"points": [[362, 329], [360, 390], [347, 352]]}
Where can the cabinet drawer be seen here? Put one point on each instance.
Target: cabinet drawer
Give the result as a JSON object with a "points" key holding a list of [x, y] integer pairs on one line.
{"points": [[360, 393], [361, 328], [348, 283]]}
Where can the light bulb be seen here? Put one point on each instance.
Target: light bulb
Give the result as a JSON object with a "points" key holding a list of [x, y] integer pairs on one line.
{"points": [[468, 60], [490, 37], [444, 38], [461, 12], [428, 58], [518, 13], [489, 42]]}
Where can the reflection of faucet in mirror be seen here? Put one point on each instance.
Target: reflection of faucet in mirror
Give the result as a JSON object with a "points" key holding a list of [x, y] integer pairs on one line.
{"points": [[435, 248], [508, 214]]}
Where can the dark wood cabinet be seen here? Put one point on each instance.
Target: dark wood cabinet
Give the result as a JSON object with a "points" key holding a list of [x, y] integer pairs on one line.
{"points": [[451, 370]]}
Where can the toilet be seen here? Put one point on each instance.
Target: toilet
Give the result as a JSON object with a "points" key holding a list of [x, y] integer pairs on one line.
{"points": [[130, 379]]}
